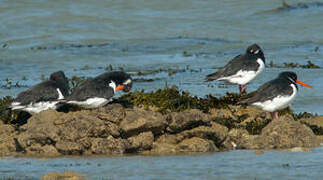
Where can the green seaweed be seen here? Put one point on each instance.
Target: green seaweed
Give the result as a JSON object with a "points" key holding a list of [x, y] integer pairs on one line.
{"points": [[309, 65], [8, 116], [255, 127], [173, 100]]}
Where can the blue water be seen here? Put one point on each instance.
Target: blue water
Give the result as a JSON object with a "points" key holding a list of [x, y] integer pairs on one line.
{"points": [[239, 164], [39, 37]]}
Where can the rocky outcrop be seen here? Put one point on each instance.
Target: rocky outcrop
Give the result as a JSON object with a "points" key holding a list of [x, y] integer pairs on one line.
{"points": [[115, 130], [315, 123], [282, 133], [285, 133], [66, 175]]}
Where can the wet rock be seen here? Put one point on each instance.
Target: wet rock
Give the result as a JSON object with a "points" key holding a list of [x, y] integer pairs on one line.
{"points": [[159, 148], [186, 120], [39, 150], [259, 152], [69, 148], [300, 149], [109, 145], [241, 139], [137, 121], [143, 141], [216, 132], [285, 132], [196, 144], [315, 123], [66, 175]]}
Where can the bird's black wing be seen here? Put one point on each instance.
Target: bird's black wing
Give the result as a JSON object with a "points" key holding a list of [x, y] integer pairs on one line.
{"points": [[236, 64], [91, 88], [45, 91], [269, 91]]}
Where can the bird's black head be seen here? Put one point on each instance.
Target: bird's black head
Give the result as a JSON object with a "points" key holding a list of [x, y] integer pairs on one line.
{"points": [[122, 80], [61, 81], [292, 78], [256, 51], [59, 76]]}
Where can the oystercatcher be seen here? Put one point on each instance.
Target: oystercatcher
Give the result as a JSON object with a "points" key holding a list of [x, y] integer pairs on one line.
{"points": [[99, 91], [242, 69], [44, 95], [276, 94]]}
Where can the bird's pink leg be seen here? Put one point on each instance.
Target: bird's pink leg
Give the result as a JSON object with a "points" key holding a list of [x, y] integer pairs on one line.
{"points": [[274, 114], [243, 89]]}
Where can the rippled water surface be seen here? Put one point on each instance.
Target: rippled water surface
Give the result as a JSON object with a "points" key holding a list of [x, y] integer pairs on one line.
{"points": [[83, 37], [238, 164]]}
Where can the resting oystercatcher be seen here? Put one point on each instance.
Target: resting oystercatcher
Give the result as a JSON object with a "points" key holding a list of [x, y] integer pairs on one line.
{"points": [[44, 95], [99, 91], [276, 94], [242, 69]]}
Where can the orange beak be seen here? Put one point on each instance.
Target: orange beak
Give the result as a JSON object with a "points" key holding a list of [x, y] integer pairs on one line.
{"points": [[303, 84], [121, 87]]}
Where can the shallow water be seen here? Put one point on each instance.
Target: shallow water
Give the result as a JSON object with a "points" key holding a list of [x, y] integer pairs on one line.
{"points": [[239, 164], [39, 37], [83, 37]]}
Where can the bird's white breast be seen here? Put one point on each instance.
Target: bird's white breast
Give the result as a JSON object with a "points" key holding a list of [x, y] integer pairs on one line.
{"points": [[92, 102], [35, 107], [243, 77], [277, 103]]}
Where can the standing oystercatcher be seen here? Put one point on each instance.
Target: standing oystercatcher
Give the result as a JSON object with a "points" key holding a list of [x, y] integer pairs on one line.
{"points": [[276, 94], [242, 69], [99, 91], [44, 95]]}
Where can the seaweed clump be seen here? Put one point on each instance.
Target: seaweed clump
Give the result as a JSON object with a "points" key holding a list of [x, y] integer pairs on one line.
{"points": [[173, 100], [8, 116], [309, 65]]}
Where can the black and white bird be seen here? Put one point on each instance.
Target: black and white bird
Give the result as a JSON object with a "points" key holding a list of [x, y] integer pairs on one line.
{"points": [[276, 94], [242, 69], [99, 91], [44, 95]]}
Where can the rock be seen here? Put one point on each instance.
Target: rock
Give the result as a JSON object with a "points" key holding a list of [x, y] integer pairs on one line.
{"points": [[168, 139], [65, 131], [69, 148], [7, 146], [39, 150], [196, 144], [138, 121], [320, 138], [109, 145], [259, 152], [66, 175], [113, 113], [216, 132], [163, 149], [241, 139], [143, 141], [6, 130], [300, 149], [180, 121], [285, 133], [7, 140], [315, 123], [224, 117]]}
